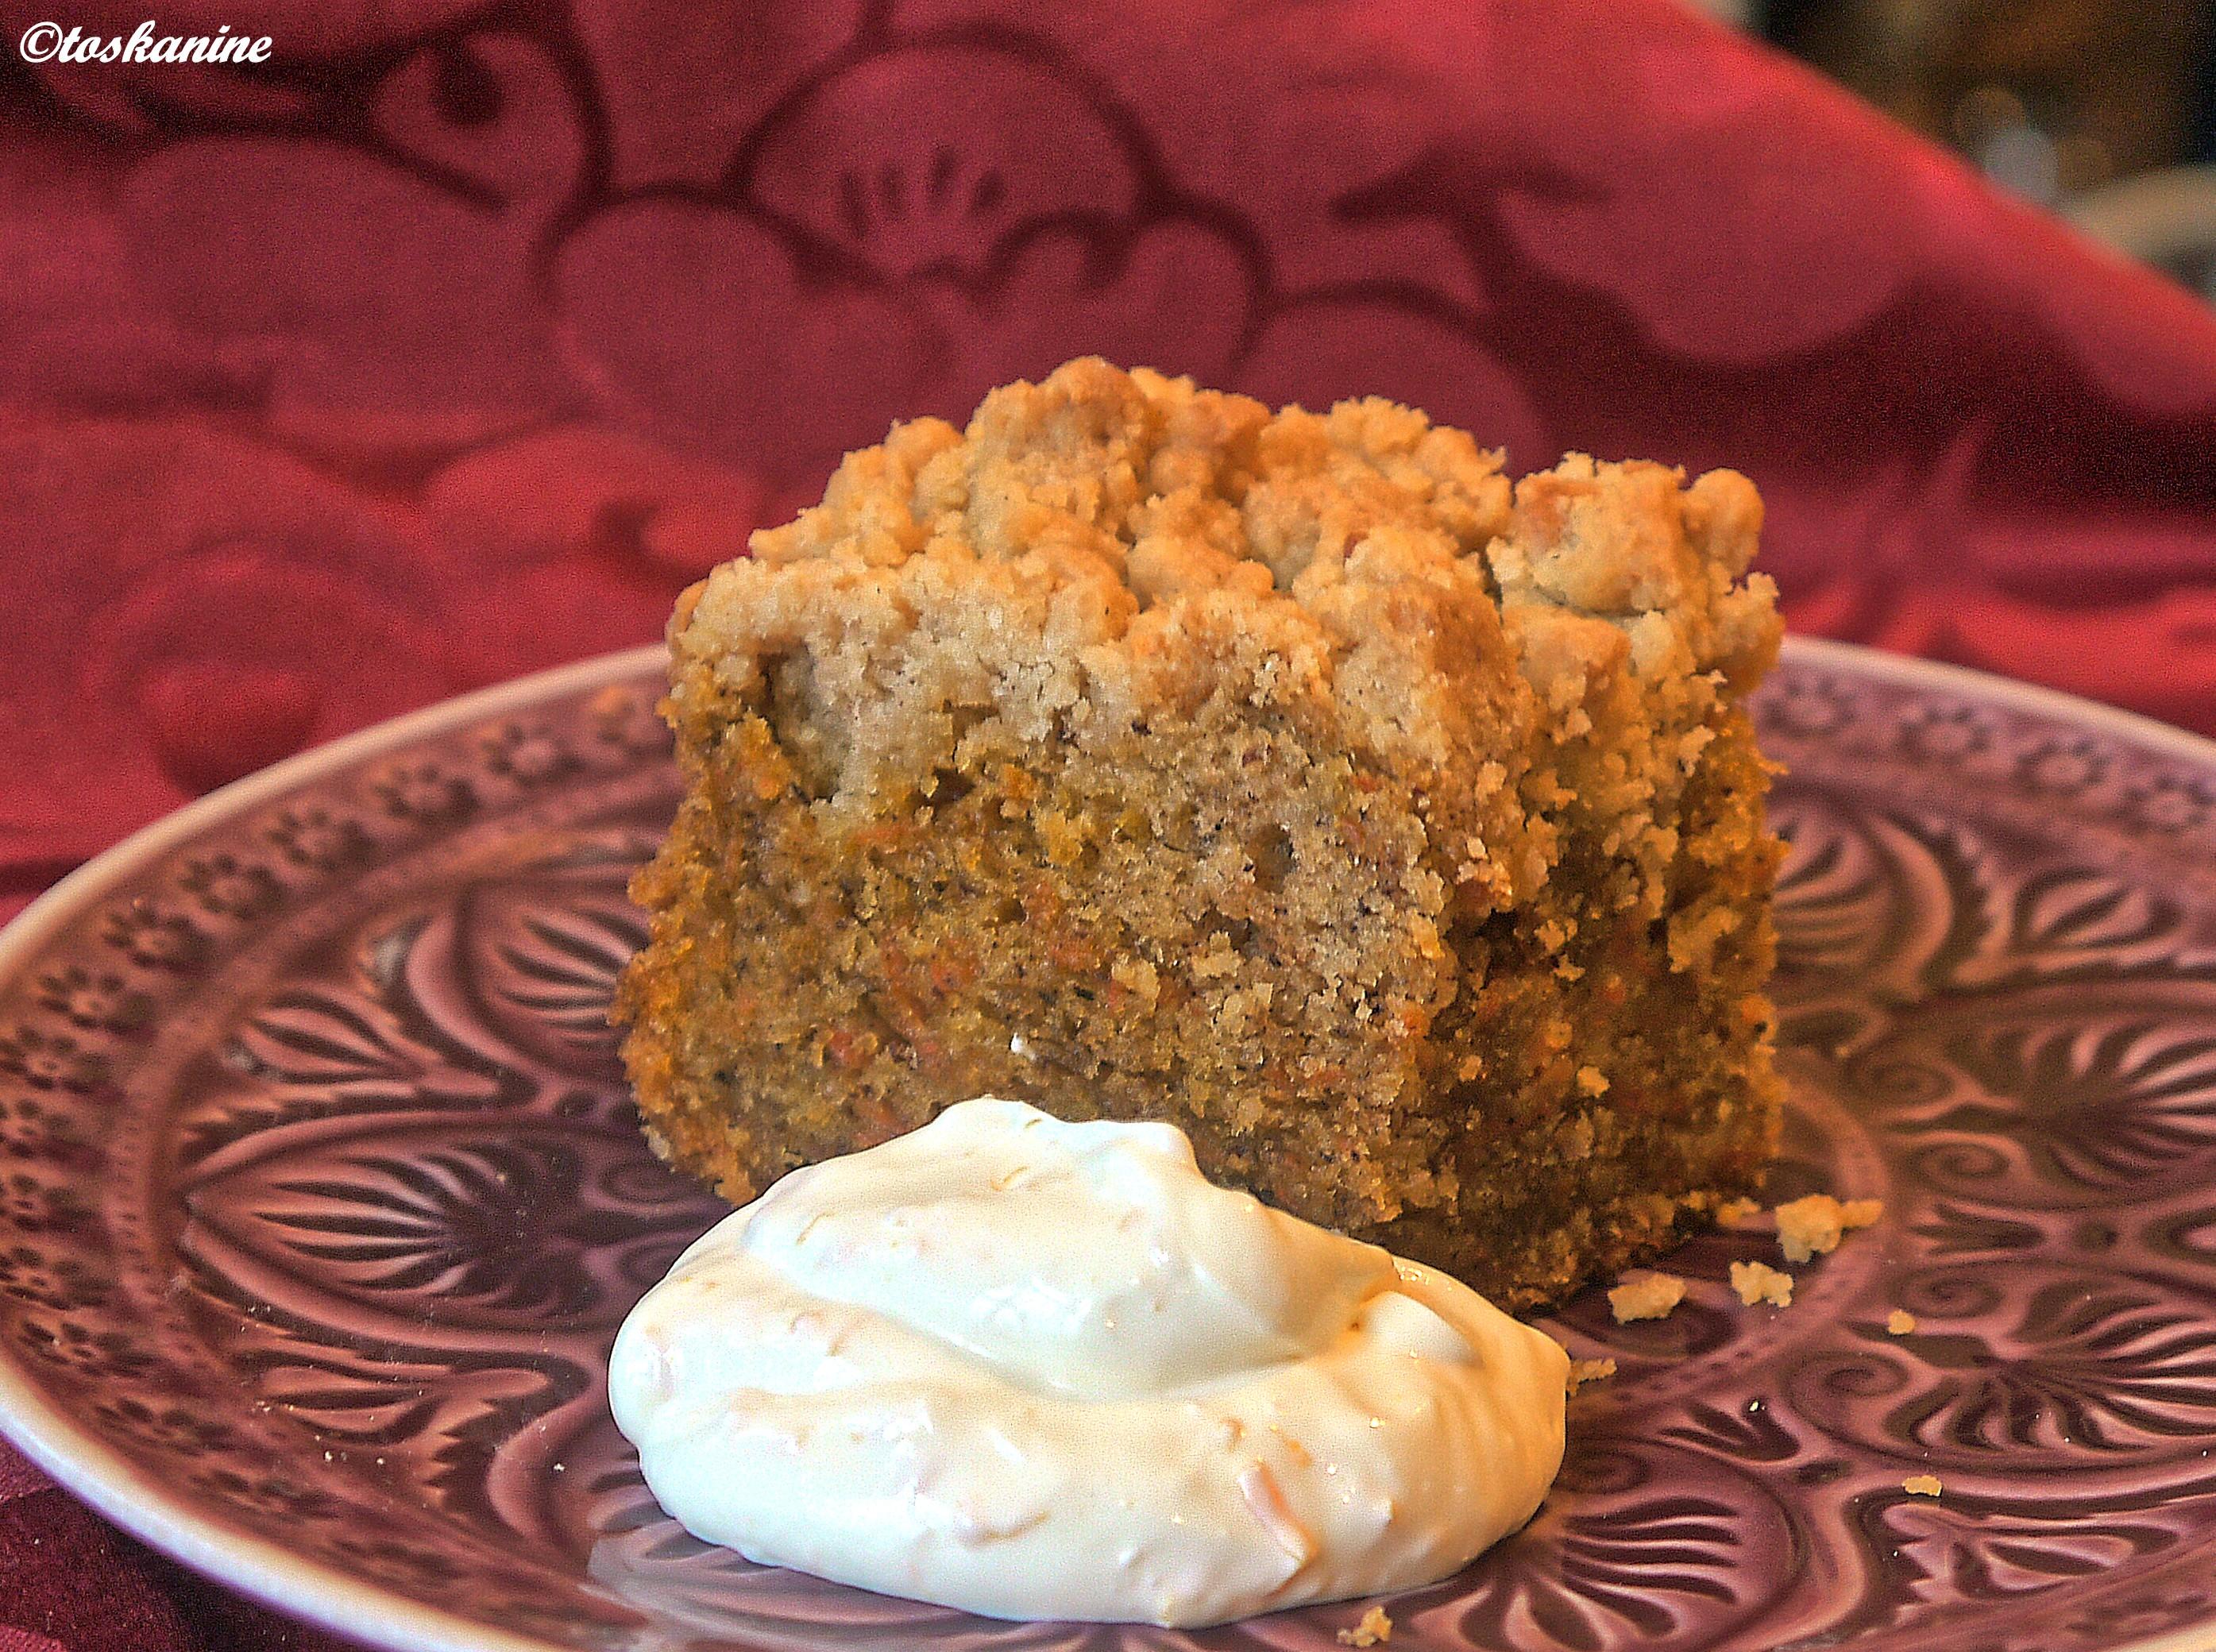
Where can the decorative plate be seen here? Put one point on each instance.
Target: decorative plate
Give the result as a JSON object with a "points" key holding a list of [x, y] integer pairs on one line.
{"points": [[321, 1200]]}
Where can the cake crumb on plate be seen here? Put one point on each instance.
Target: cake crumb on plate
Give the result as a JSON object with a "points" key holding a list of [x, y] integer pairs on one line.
{"points": [[1374, 1629], [1922, 1485], [1759, 1282], [1589, 1371], [1646, 1296], [1899, 1323], [1807, 1228]]}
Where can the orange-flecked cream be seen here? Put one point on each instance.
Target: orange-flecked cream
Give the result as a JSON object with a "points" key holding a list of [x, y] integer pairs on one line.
{"points": [[1042, 1369]]}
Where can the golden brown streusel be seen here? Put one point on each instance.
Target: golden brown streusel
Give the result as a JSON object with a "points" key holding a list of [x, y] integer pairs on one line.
{"points": [[1392, 829]]}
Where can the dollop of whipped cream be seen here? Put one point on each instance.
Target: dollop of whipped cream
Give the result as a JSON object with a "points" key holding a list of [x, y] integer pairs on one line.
{"points": [[1042, 1369]]}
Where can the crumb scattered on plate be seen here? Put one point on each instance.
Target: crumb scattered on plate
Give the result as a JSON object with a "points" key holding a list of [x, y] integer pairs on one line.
{"points": [[1921, 1485], [1759, 1282], [1735, 1212], [1646, 1296], [1589, 1371], [1899, 1323], [1809, 1227], [1374, 1629]]}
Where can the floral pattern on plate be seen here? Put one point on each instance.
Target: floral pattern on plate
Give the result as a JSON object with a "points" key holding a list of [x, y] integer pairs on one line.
{"points": [[321, 1197]]}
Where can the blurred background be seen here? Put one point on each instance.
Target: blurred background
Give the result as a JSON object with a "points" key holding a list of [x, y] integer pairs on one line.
{"points": [[2104, 110], [460, 337]]}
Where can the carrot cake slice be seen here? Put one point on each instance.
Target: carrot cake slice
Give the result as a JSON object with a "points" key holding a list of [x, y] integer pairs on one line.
{"points": [[1394, 829]]}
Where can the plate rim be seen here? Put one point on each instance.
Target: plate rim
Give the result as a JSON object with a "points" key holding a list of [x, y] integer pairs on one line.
{"points": [[86, 1466]]}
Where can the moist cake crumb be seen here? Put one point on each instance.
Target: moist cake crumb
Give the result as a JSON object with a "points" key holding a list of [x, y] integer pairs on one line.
{"points": [[1734, 1212], [1589, 1371], [1922, 1485], [1810, 1227], [1374, 1629], [1759, 1282], [1393, 828], [1646, 1296], [1899, 1323]]}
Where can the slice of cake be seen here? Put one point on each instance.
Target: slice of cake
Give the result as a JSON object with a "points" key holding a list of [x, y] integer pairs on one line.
{"points": [[1396, 832]]}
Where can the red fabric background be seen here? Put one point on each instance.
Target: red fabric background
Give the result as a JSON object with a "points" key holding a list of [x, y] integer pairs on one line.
{"points": [[460, 343]]}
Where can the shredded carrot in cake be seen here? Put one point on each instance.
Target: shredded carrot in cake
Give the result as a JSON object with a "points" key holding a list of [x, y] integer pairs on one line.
{"points": [[1137, 729]]}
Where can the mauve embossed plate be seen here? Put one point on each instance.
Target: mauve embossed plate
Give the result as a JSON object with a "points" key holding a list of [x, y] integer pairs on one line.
{"points": [[321, 1200]]}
